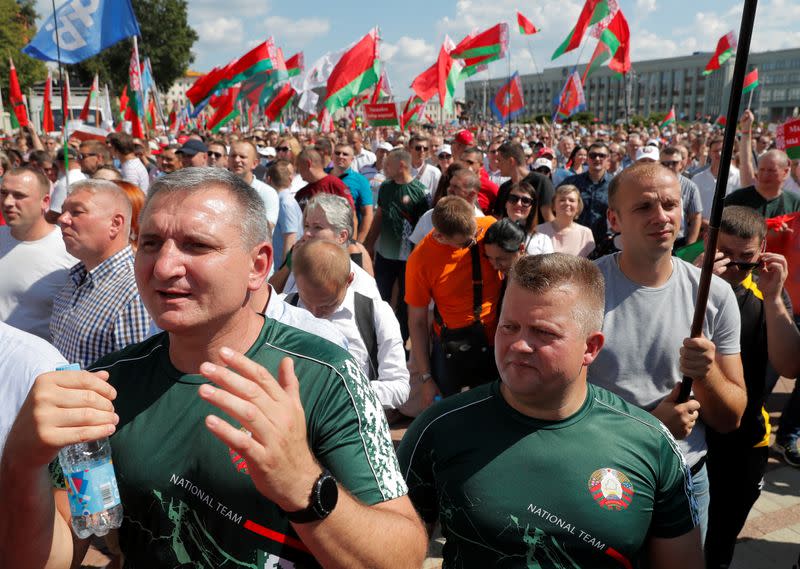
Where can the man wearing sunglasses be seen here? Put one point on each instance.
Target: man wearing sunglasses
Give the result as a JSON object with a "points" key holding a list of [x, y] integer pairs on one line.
{"points": [[217, 154], [593, 185], [428, 175], [769, 337]]}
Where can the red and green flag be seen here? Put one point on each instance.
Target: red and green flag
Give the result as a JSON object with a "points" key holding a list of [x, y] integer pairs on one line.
{"points": [[593, 12], [787, 138], [90, 99], [295, 64], [750, 81], [225, 109], [19, 118], [358, 69], [726, 46], [259, 59], [478, 50], [721, 121], [572, 98], [613, 44], [48, 124], [279, 102], [526, 27], [440, 78], [668, 120], [412, 110]]}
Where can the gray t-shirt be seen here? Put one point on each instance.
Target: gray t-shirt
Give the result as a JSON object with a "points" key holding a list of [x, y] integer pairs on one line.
{"points": [[644, 330], [690, 202]]}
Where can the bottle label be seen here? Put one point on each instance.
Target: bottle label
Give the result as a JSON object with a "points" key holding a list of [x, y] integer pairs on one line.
{"points": [[92, 490]]}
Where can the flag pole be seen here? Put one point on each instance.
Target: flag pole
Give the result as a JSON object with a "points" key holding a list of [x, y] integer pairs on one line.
{"points": [[739, 70], [64, 99]]}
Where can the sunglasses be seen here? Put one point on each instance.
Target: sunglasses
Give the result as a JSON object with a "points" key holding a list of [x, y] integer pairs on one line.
{"points": [[742, 266], [282, 149], [445, 156], [514, 199], [420, 148], [87, 155], [596, 155], [670, 163], [340, 153], [216, 155]]}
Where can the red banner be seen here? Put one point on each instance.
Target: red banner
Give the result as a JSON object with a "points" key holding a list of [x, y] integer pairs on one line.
{"points": [[381, 114], [788, 138]]}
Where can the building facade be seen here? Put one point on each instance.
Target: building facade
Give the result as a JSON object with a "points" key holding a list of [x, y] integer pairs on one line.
{"points": [[177, 92], [656, 85]]}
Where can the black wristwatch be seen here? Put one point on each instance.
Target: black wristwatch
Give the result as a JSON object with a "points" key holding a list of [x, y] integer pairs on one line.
{"points": [[322, 501]]}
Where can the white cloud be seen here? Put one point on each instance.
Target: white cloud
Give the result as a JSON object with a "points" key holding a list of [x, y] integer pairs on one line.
{"points": [[295, 33], [645, 6], [229, 30], [409, 49], [210, 9]]}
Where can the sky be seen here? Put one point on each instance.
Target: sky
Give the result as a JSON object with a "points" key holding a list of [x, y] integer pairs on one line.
{"points": [[413, 30]]}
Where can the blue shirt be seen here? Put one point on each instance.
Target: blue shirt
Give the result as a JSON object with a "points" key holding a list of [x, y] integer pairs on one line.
{"points": [[595, 202], [290, 220], [359, 188]]}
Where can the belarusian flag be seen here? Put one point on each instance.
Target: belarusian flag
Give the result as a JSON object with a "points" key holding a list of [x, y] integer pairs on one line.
{"points": [[572, 98], [48, 124], [440, 78], [614, 44], [478, 50], [279, 101], [90, 98], [257, 60], [226, 109], [725, 48], [669, 119], [411, 111], [750, 81], [206, 85], [721, 121], [526, 27], [295, 64], [594, 11], [19, 118], [358, 69]]}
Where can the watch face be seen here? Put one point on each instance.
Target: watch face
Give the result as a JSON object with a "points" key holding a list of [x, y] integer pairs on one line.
{"points": [[328, 493]]}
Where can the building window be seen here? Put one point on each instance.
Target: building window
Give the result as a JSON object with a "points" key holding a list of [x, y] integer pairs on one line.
{"points": [[794, 93]]}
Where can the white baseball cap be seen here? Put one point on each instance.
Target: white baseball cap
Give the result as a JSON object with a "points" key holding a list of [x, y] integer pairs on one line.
{"points": [[543, 163], [648, 153]]}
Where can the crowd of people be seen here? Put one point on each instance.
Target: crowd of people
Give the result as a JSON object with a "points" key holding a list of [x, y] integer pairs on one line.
{"points": [[253, 310]]}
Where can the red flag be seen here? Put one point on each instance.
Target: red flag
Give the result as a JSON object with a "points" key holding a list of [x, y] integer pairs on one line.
{"points": [[357, 70], [225, 108], [621, 62], [572, 98], [89, 99], [48, 124], [526, 27], [15, 96], [279, 101], [725, 48], [508, 103]]}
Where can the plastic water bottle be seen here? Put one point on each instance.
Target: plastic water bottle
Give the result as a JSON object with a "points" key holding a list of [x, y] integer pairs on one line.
{"points": [[94, 500]]}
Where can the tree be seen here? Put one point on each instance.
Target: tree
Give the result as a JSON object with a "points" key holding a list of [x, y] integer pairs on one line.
{"points": [[166, 38], [16, 30]]}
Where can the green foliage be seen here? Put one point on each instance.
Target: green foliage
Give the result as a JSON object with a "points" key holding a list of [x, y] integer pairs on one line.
{"points": [[583, 117], [167, 39], [657, 118], [16, 30]]}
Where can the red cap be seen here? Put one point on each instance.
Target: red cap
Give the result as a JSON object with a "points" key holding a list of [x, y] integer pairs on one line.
{"points": [[182, 139], [465, 137], [544, 151]]}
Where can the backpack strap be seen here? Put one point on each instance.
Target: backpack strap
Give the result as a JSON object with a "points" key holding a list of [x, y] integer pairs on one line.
{"points": [[293, 298], [477, 288], [365, 322]]}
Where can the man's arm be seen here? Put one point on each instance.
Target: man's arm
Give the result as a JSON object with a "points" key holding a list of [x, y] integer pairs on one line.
{"points": [[683, 551], [62, 408], [374, 231], [783, 338], [693, 224], [366, 222], [746, 170], [284, 470], [418, 332], [718, 383]]}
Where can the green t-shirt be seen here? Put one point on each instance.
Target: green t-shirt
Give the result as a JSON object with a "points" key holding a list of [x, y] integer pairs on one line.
{"points": [[513, 491], [188, 500], [401, 205], [786, 202]]}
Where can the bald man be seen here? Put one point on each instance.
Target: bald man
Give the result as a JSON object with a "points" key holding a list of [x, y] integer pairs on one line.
{"points": [[33, 260], [323, 274], [242, 160], [98, 310]]}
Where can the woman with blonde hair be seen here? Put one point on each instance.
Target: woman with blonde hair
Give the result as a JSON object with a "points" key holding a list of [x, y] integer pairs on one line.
{"points": [[568, 236]]}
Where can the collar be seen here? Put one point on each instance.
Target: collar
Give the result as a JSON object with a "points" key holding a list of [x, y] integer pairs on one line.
{"points": [[107, 268]]}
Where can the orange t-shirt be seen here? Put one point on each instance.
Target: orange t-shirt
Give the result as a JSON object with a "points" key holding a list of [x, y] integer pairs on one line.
{"points": [[444, 274]]}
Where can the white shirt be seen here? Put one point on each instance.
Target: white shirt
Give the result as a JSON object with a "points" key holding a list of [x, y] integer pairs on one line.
{"points": [[31, 274], [392, 386], [538, 244], [297, 184], [270, 198], [707, 183], [301, 319], [363, 282], [791, 186], [425, 225], [59, 193], [134, 171], [429, 176], [23, 357], [363, 158]]}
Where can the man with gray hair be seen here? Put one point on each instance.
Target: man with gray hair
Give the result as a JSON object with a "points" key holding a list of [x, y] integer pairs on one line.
{"points": [[98, 310], [611, 485], [232, 433]]}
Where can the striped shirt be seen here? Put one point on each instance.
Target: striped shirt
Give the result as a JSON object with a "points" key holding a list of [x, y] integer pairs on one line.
{"points": [[99, 311]]}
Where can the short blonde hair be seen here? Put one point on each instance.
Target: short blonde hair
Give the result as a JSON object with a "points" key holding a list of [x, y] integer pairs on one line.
{"points": [[568, 189]]}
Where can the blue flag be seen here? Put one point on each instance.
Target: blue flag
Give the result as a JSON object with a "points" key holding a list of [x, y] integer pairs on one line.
{"points": [[85, 28]]}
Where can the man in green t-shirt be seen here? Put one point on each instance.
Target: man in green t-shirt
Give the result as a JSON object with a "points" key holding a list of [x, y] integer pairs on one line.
{"points": [[542, 469], [237, 440]]}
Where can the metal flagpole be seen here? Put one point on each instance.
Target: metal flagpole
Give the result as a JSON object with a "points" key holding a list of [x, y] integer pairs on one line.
{"points": [[739, 70]]}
